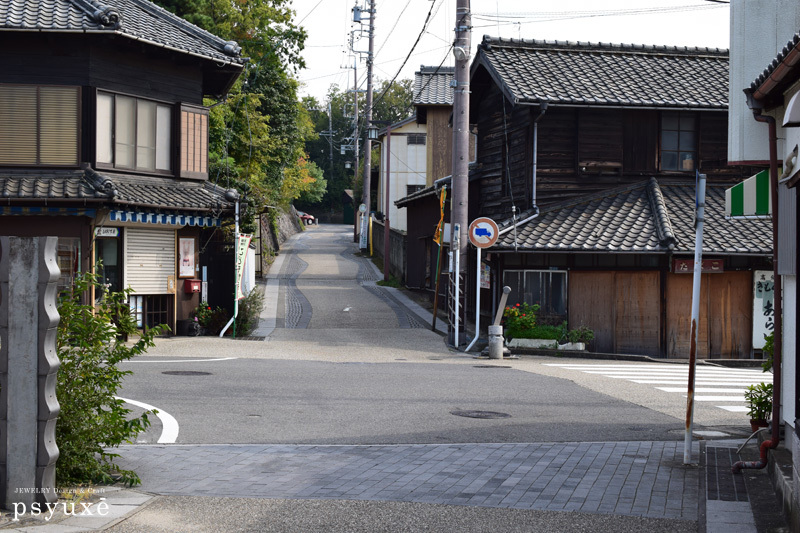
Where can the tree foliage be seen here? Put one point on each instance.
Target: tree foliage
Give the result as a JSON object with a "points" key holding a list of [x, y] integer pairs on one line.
{"points": [[258, 134]]}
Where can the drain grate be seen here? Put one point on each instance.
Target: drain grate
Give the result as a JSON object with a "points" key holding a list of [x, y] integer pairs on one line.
{"points": [[480, 414], [491, 366], [186, 373]]}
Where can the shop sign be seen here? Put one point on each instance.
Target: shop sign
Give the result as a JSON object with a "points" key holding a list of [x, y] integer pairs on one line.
{"points": [[763, 306], [709, 266], [106, 232]]}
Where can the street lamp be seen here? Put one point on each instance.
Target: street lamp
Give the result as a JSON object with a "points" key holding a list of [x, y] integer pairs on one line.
{"points": [[372, 132]]}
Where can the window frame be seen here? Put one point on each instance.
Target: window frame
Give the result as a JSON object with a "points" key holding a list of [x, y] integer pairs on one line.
{"points": [[179, 170], [546, 310], [680, 114], [78, 132], [113, 132]]}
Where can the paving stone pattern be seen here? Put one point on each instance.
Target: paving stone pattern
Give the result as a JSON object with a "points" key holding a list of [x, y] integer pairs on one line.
{"points": [[721, 483], [644, 479]]}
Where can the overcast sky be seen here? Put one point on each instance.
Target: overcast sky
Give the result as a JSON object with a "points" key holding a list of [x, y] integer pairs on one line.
{"points": [[398, 24]]}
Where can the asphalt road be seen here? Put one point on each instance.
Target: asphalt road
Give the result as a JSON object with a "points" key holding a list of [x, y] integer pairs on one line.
{"points": [[352, 375]]}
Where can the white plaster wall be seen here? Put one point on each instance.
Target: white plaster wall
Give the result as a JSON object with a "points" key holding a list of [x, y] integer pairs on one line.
{"points": [[759, 31], [407, 167]]}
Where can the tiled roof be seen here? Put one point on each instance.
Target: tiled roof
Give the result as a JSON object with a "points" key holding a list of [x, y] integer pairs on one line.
{"points": [[57, 185], [114, 190], [170, 194], [788, 55], [432, 86], [570, 73], [648, 217], [135, 19]]}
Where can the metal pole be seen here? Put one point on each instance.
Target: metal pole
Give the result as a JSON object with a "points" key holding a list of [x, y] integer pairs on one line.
{"points": [[477, 302], [698, 275], [461, 51], [356, 213], [367, 143], [386, 230], [235, 275]]}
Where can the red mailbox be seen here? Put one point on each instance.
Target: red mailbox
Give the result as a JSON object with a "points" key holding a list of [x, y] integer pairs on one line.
{"points": [[191, 285]]}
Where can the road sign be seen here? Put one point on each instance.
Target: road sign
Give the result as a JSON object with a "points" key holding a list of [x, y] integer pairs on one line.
{"points": [[483, 232]]}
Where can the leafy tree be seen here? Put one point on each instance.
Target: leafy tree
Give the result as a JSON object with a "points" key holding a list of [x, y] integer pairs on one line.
{"points": [[258, 134]]}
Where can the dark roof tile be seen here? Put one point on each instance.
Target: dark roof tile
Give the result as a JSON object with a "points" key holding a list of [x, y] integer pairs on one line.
{"points": [[136, 19], [432, 86], [561, 72], [648, 217]]}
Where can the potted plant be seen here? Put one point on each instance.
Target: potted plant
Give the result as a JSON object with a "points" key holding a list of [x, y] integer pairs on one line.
{"points": [[759, 399]]}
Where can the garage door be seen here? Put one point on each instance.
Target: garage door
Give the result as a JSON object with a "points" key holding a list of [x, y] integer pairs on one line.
{"points": [[149, 259]]}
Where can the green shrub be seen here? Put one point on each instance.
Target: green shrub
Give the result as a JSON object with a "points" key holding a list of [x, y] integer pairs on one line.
{"points": [[249, 309], [581, 334], [519, 320], [92, 419]]}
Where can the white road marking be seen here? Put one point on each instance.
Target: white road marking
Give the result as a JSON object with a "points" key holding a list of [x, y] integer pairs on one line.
{"points": [[713, 384], [734, 408], [169, 426], [719, 398], [185, 360], [699, 390]]}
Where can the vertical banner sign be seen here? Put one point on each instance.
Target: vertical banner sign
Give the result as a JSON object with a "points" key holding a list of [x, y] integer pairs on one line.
{"points": [[242, 245], [763, 310]]}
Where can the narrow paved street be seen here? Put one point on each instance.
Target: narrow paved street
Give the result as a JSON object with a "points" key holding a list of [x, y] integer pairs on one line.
{"points": [[345, 395]]}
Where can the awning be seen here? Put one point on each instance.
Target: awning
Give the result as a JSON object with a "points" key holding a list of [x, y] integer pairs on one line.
{"points": [[750, 198], [147, 217]]}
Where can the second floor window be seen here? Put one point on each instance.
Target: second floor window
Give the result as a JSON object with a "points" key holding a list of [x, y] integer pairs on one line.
{"points": [[678, 141], [39, 125], [133, 133]]}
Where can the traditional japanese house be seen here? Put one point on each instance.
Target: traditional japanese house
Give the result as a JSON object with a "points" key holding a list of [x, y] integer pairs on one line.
{"points": [[104, 142], [587, 156]]}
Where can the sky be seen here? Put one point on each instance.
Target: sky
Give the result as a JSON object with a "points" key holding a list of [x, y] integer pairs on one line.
{"points": [[399, 23]]}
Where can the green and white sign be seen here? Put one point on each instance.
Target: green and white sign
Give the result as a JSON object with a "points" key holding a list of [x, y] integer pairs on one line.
{"points": [[750, 198], [242, 245]]}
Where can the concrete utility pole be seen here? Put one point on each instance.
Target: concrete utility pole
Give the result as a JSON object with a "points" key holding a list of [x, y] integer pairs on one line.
{"points": [[367, 143], [458, 213]]}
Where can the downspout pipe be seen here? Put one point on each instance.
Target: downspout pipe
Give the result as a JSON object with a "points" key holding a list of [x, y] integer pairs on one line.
{"points": [[542, 110], [778, 303]]}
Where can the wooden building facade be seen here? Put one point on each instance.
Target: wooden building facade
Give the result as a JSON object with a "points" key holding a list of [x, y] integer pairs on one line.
{"points": [[104, 143]]}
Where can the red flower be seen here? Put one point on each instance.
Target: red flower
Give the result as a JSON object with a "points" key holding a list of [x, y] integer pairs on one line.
{"points": [[517, 305]]}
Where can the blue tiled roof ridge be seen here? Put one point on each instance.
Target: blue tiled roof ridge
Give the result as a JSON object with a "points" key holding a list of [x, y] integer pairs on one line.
{"points": [[501, 42]]}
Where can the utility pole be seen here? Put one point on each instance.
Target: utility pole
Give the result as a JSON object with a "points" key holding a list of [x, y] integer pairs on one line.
{"points": [[367, 143], [356, 221], [458, 218]]}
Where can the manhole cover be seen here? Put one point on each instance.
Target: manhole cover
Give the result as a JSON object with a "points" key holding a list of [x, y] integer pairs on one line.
{"points": [[480, 414], [491, 366], [186, 373]]}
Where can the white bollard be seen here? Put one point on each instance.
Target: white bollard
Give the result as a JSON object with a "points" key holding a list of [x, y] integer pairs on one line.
{"points": [[495, 342]]}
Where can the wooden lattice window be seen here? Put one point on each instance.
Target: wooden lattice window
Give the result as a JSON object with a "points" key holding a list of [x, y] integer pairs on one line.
{"points": [[194, 142]]}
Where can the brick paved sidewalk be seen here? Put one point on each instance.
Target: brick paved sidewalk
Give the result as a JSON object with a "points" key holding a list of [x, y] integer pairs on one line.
{"points": [[644, 479]]}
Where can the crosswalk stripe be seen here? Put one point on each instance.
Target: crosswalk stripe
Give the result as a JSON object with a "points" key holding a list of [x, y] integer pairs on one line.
{"points": [[712, 384], [719, 398], [696, 383], [698, 390]]}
